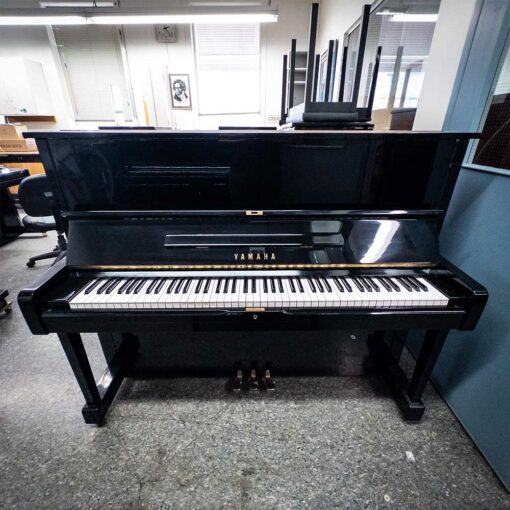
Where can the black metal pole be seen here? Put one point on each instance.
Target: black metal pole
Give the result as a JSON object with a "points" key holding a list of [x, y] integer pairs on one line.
{"points": [[283, 110], [311, 52], [365, 15], [316, 76], [292, 71], [342, 75], [371, 96], [329, 66]]}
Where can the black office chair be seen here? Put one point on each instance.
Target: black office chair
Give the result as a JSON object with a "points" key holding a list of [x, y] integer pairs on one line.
{"points": [[36, 198]]}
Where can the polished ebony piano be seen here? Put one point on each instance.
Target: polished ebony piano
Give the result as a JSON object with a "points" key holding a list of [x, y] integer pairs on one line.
{"points": [[251, 232]]}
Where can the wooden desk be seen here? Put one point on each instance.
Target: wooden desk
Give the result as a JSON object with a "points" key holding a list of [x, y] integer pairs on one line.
{"points": [[29, 160]]}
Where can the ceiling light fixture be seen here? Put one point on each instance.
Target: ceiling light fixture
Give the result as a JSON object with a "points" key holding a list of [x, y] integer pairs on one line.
{"points": [[415, 18], [141, 19]]}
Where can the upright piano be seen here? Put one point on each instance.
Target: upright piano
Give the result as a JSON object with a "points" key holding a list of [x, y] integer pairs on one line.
{"points": [[251, 232]]}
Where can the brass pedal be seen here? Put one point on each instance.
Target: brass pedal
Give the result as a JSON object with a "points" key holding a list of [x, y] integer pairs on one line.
{"points": [[268, 381], [253, 382], [238, 381]]}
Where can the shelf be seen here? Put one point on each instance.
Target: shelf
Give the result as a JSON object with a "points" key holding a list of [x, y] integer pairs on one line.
{"points": [[26, 117]]}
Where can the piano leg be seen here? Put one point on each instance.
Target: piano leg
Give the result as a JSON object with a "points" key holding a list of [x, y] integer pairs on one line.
{"points": [[98, 397], [408, 392]]}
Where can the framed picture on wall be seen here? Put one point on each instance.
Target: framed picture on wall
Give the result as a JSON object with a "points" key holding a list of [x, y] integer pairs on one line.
{"points": [[180, 91]]}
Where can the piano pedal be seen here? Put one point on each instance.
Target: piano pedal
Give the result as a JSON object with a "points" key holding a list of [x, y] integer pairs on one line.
{"points": [[268, 382], [237, 385], [253, 382]]}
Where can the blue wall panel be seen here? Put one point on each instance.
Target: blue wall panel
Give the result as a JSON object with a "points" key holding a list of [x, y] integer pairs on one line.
{"points": [[473, 371]]}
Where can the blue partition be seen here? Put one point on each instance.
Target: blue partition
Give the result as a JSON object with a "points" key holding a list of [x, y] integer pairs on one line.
{"points": [[473, 371]]}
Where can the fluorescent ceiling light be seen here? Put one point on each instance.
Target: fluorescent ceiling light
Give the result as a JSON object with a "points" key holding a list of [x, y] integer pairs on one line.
{"points": [[141, 19], [418, 18], [89, 3], [153, 19], [42, 20]]}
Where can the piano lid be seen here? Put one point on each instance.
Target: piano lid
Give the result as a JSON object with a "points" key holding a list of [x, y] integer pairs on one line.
{"points": [[229, 170]]}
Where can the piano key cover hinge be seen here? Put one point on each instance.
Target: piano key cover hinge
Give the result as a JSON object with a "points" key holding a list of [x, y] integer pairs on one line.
{"points": [[254, 213]]}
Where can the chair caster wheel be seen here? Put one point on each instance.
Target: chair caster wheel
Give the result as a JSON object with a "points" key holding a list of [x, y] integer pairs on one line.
{"points": [[30, 263]]}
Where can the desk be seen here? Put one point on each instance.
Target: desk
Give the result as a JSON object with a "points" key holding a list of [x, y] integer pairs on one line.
{"points": [[30, 161], [10, 222]]}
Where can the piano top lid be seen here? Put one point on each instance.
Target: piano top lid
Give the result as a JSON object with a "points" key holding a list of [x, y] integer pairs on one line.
{"points": [[132, 170], [111, 134]]}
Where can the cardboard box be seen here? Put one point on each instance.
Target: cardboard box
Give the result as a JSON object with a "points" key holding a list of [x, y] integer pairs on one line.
{"points": [[12, 131], [24, 145]]}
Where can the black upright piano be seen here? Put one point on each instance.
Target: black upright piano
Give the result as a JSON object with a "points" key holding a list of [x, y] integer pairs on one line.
{"points": [[246, 233]]}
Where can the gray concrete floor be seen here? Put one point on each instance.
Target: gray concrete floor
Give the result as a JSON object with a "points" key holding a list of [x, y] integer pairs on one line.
{"points": [[318, 443]]}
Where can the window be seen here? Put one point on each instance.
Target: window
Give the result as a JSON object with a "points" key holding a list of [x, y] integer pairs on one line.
{"points": [[493, 148], [228, 68], [404, 30], [93, 69]]}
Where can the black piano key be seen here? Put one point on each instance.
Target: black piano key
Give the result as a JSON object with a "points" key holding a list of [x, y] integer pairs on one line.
{"points": [[404, 284], [393, 284], [113, 285], [199, 286], [411, 283], [106, 283], [124, 286], [225, 287], [300, 285], [420, 284], [374, 284], [280, 285], [326, 284], [265, 285], [92, 286], [358, 284], [253, 286], [338, 284], [159, 286], [179, 285], [292, 287], [187, 285], [170, 287], [312, 286], [245, 285], [132, 285], [138, 287], [346, 284], [366, 283], [385, 284], [273, 286], [153, 284], [319, 284], [207, 285], [218, 286], [234, 285]]}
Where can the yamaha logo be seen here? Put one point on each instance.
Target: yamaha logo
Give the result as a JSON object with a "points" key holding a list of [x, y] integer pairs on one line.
{"points": [[254, 256]]}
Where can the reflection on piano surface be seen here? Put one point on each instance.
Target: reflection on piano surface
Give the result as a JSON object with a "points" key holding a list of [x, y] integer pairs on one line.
{"points": [[132, 268]]}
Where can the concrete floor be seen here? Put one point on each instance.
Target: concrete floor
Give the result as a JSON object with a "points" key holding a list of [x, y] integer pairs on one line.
{"points": [[318, 443]]}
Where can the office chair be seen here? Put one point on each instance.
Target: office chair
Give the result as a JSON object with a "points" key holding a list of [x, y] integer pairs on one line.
{"points": [[36, 198]]}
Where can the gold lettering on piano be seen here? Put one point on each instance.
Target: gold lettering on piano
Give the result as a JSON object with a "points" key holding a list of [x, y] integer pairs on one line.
{"points": [[254, 256]]}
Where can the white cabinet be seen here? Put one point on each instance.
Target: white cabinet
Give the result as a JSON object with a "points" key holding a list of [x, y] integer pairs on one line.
{"points": [[23, 88]]}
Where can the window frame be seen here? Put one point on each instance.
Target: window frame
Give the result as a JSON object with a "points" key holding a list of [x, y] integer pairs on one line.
{"points": [[197, 78]]}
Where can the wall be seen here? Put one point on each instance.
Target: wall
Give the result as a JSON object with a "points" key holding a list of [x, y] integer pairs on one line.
{"points": [[443, 63], [150, 62]]}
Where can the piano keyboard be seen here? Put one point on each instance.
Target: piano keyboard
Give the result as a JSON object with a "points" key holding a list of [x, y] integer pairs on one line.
{"points": [[255, 293]]}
